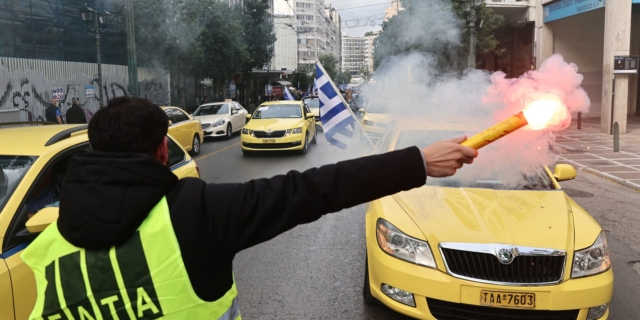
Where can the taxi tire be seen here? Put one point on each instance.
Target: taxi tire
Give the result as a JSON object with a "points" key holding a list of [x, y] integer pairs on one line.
{"points": [[229, 132], [305, 147], [315, 137], [366, 290], [195, 146]]}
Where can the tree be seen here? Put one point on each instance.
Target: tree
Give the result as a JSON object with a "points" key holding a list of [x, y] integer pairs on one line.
{"points": [[437, 28], [304, 79], [258, 37], [368, 33], [330, 64], [343, 77]]}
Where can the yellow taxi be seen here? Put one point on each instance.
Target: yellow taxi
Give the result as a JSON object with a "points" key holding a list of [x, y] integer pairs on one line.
{"points": [[457, 248], [313, 103], [185, 129], [376, 117], [279, 125], [29, 156]]}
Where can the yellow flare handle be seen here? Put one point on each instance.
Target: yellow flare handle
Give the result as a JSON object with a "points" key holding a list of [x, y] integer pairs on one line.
{"points": [[496, 132]]}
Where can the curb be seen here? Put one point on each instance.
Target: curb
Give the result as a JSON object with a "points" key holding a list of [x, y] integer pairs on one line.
{"points": [[615, 179]]}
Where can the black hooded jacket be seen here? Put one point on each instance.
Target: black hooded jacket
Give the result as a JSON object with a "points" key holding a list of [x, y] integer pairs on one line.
{"points": [[106, 196]]}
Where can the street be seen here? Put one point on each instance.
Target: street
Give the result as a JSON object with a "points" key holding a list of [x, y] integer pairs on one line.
{"points": [[316, 271]]}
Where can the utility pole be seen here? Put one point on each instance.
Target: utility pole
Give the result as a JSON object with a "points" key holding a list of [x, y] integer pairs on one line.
{"points": [[471, 63], [134, 88]]}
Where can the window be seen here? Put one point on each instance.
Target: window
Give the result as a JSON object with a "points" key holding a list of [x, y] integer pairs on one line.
{"points": [[179, 116], [176, 155]]}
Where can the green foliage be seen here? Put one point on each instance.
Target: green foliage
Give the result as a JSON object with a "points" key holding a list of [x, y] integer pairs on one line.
{"points": [[304, 78], [368, 33], [343, 77], [258, 35], [437, 28], [330, 64]]}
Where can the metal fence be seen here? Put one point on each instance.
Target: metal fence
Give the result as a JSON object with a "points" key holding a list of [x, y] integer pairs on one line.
{"points": [[29, 85]]}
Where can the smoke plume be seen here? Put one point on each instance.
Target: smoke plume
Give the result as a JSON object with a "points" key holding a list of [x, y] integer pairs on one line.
{"points": [[413, 84]]}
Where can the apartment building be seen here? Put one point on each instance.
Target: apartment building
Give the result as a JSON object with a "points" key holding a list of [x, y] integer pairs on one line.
{"points": [[355, 53], [318, 32]]}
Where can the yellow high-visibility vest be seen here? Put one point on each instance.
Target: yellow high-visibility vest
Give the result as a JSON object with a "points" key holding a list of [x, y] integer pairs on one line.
{"points": [[143, 278]]}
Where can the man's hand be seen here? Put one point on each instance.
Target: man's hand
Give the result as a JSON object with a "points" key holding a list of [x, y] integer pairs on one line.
{"points": [[445, 157]]}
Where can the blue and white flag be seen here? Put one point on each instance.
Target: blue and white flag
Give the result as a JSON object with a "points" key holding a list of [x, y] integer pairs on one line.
{"points": [[315, 87], [337, 120], [287, 94]]}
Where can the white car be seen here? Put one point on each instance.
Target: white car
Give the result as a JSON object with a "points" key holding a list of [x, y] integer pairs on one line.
{"points": [[221, 119]]}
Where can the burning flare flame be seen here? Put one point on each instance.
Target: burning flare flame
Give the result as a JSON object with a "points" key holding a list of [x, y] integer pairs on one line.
{"points": [[544, 113]]}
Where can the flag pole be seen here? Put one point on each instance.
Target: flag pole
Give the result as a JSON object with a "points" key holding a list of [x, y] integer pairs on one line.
{"points": [[345, 104]]}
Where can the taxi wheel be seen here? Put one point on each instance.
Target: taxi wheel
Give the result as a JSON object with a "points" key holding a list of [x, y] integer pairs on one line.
{"points": [[366, 290], [315, 137], [229, 132], [195, 146], [305, 147]]}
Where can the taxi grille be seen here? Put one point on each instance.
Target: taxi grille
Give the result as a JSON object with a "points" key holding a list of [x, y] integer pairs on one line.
{"points": [[274, 134], [523, 269], [444, 310]]}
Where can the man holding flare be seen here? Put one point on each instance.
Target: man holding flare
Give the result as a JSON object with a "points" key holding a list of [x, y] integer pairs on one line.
{"points": [[174, 242]]}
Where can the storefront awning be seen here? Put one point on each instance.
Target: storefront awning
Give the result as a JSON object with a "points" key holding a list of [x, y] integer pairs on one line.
{"points": [[284, 83]]}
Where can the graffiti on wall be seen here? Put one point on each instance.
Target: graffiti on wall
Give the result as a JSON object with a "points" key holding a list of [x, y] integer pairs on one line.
{"points": [[31, 93]]}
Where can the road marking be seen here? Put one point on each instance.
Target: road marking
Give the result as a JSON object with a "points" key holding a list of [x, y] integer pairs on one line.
{"points": [[216, 152]]}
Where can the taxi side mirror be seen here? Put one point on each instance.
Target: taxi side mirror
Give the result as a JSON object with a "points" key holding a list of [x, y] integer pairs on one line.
{"points": [[247, 118], [42, 219], [565, 172], [361, 110], [234, 111], [170, 123], [309, 116]]}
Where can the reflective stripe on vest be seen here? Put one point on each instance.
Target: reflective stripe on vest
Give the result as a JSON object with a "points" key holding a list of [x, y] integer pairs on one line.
{"points": [[143, 278]]}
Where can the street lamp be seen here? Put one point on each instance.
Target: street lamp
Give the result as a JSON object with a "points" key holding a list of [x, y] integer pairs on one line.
{"points": [[96, 22], [472, 7]]}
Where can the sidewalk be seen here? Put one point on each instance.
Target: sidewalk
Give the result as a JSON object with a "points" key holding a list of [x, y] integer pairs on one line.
{"points": [[591, 150]]}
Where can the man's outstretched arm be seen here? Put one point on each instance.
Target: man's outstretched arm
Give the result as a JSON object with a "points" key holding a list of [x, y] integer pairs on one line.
{"points": [[242, 215]]}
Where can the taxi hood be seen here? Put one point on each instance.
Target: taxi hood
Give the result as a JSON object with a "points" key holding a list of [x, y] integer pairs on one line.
{"points": [[274, 124], [539, 219], [378, 117]]}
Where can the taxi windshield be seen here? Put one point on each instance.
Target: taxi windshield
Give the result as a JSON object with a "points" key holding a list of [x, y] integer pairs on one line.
{"points": [[312, 102], [14, 168], [474, 176], [212, 110], [278, 111]]}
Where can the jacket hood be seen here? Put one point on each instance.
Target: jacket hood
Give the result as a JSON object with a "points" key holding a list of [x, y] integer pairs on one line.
{"points": [[106, 196]]}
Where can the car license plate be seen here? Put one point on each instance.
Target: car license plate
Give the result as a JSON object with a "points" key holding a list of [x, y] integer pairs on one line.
{"points": [[268, 140], [507, 299]]}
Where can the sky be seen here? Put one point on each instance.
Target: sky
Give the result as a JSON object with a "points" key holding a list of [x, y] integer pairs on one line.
{"points": [[354, 13]]}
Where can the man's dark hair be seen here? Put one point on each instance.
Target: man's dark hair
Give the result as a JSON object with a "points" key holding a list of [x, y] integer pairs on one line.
{"points": [[129, 125]]}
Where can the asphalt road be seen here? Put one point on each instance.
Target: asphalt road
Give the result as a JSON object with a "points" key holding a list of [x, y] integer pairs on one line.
{"points": [[316, 271]]}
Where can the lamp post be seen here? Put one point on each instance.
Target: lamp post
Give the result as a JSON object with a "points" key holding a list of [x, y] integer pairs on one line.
{"points": [[99, 22], [471, 7], [134, 90]]}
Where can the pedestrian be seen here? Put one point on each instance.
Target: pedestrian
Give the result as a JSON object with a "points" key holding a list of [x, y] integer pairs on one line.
{"points": [[75, 114], [52, 112], [159, 246]]}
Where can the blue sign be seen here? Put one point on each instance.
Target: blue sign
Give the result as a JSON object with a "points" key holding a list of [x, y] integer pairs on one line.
{"points": [[568, 8]]}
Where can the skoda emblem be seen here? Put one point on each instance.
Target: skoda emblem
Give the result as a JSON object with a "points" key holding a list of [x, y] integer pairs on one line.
{"points": [[269, 129], [505, 256]]}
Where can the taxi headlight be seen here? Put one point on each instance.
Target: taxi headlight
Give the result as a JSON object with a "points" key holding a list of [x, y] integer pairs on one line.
{"points": [[219, 123], [293, 131], [593, 260], [397, 244], [368, 123]]}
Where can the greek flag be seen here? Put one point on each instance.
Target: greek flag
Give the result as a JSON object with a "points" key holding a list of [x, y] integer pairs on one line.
{"points": [[287, 93], [337, 120]]}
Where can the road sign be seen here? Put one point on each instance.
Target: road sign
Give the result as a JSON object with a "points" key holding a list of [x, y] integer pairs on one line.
{"points": [[625, 64]]}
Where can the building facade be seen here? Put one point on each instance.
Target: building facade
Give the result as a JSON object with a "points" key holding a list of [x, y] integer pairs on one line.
{"points": [[354, 55], [589, 33], [318, 32], [285, 53]]}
